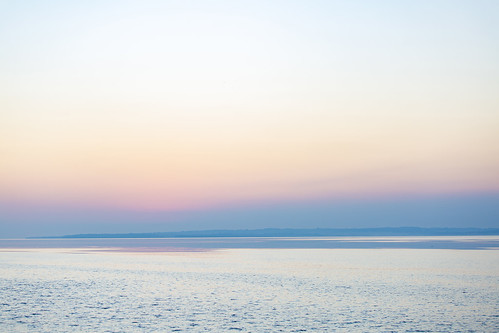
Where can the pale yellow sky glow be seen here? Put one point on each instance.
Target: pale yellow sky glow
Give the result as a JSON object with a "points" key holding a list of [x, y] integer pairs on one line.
{"points": [[178, 105]]}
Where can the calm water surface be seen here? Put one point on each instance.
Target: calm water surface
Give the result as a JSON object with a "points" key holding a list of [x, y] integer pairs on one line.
{"points": [[92, 288]]}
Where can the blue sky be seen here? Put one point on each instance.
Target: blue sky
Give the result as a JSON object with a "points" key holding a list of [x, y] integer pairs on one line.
{"points": [[126, 116]]}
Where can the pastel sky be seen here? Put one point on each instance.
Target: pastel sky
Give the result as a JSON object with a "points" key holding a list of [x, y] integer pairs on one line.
{"points": [[174, 115]]}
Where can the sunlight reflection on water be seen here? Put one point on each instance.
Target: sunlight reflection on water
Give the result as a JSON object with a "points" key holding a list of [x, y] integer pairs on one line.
{"points": [[254, 290]]}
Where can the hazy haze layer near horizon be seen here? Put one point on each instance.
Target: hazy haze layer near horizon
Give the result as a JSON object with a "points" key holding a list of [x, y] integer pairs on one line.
{"points": [[149, 116]]}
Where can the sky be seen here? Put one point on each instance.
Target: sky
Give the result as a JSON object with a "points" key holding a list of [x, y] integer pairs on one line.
{"points": [[138, 116]]}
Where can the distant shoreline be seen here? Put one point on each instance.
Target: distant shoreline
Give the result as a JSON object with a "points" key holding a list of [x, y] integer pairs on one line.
{"points": [[288, 232]]}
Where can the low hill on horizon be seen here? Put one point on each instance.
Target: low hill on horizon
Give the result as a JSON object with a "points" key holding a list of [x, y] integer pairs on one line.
{"points": [[290, 232]]}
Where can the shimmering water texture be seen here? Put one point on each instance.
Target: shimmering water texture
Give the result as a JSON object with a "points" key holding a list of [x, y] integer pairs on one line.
{"points": [[251, 290]]}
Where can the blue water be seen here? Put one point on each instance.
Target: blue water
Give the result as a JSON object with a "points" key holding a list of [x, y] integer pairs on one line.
{"points": [[201, 244], [153, 286]]}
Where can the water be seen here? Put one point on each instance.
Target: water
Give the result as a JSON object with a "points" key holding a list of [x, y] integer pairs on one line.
{"points": [[88, 288]]}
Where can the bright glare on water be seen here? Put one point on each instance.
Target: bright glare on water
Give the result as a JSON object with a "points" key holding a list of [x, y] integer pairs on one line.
{"points": [[252, 290]]}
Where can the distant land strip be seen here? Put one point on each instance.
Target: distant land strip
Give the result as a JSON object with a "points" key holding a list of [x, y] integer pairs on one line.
{"points": [[289, 232]]}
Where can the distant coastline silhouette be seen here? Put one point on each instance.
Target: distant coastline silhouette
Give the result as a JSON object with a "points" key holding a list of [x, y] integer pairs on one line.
{"points": [[291, 232]]}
